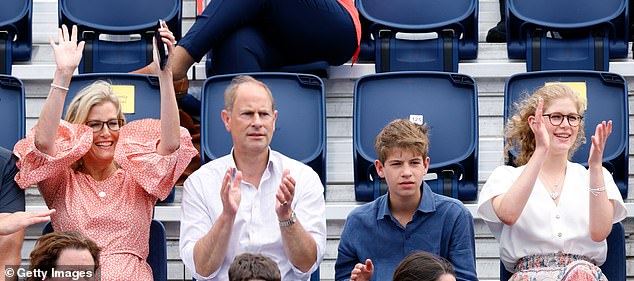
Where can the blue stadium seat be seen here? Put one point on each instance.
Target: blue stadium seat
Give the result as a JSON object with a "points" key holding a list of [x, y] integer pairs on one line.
{"points": [[300, 131], [12, 106], [106, 27], [15, 33], [449, 105], [579, 34], [453, 25], [604, 90], [614, 266], [146, 88], [157, 258]]}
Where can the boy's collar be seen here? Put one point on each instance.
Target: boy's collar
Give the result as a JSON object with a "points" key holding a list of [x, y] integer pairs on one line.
{"points": [[425, 205]]}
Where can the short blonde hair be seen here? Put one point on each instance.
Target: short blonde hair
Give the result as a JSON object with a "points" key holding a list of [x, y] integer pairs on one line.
{"points": [[96, 93], [403, 134], [232, 90], [518, 133]]}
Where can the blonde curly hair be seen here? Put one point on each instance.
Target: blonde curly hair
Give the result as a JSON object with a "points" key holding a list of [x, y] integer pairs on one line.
{"points": [[518, 134]]}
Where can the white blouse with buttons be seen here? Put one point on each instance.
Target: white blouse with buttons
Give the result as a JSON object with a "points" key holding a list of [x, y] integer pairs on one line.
{"points": [[544, 227]]}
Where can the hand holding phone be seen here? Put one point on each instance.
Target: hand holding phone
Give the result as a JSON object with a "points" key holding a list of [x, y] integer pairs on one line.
{"points": [[160, 45]]}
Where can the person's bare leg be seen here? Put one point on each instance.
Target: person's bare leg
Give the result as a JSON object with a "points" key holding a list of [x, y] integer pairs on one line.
{"points": [[180, 61]]}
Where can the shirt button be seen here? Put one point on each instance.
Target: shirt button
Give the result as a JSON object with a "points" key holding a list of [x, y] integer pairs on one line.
{"points": [[559, 234], [102, 194]]}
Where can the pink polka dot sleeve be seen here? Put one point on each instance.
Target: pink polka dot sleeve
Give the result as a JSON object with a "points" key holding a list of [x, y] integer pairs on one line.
{"points": [[136, 153], [73, 141]]}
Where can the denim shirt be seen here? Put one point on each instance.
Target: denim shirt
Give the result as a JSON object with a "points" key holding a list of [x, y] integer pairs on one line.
{"points": [[441, 225]]}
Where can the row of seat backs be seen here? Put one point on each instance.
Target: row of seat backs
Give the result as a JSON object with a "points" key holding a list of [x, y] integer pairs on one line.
{"points": [[558, 37], [531, 33], [448, 103], [157, 257]]}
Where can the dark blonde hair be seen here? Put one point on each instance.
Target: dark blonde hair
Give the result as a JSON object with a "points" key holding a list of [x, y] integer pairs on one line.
{"points": [[232, 90], [48, 248], [403, 134], [422, 266], [250, 266], [99, 92], [518, 133]]}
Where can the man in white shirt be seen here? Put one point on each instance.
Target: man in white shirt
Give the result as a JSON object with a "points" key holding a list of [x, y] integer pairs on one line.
{"points": [[254, 199]]}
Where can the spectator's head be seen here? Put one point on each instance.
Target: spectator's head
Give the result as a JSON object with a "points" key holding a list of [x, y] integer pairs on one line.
{"points": [[98, 107], [253, 267], [557, 98], [422, 266], [249, 115], [68, 248], [402, 148]]}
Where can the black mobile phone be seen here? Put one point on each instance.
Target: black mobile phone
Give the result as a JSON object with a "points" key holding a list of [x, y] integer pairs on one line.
{"points": [[162, 55]]}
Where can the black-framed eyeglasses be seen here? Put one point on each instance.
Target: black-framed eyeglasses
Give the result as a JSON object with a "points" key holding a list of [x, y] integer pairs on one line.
{"points": [[97, 125], [557, 118]]}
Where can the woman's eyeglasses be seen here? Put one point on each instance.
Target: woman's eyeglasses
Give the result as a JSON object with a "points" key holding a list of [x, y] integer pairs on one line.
{"points": [[557, 118], [97, 126]]}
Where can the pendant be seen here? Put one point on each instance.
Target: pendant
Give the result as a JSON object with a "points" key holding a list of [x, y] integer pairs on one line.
{"points": [[554, 195]]}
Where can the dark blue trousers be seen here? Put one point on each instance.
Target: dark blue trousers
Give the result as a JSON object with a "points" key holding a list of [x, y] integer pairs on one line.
{"points": [[262, 35]]}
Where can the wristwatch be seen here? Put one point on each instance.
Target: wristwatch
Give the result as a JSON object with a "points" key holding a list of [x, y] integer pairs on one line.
{"points": [[289, 222]]}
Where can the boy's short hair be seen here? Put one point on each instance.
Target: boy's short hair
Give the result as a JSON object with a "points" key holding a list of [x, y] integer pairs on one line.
{"points": [[403, 134], [248, 266]]}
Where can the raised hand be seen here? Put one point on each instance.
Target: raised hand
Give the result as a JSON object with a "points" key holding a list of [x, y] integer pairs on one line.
{"points": [[20, 220], [168, 38], [600, 137], [68, 52], [362, 272], [537, 125], [230, 192], [284, 196]]}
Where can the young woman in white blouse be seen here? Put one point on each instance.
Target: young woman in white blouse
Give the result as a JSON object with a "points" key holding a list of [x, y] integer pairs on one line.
{"points": [[551, 216]]}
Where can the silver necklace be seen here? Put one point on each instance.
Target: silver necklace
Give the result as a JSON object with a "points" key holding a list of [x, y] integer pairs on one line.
{"points": [[555, 192]]}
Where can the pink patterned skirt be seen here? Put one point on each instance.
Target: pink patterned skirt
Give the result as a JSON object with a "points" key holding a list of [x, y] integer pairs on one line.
{"points": [[556, 267]]}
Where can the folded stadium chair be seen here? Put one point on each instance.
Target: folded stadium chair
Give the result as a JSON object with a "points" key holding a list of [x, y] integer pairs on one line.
{"points": [[580, 34], [141, 93], [614, 266], [452, 24], [157, 258], [12, 102], [447, 102], [607, 100], [118, 33], [15, 33], [300, 129]]}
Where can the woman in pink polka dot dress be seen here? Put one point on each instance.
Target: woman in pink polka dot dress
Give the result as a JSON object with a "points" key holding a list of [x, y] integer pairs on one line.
{"points": [[104, 177]]}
